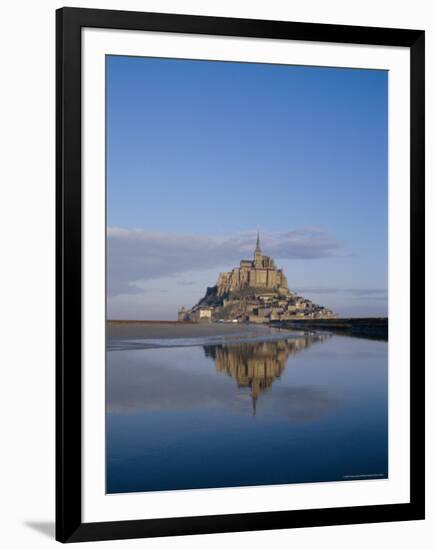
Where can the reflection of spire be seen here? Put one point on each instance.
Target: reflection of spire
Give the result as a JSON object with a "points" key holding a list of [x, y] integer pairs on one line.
{"points": [[257, 365], [253, 402]]}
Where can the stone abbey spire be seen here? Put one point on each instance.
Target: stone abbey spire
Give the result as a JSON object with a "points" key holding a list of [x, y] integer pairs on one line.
{"points": [[258, 257], [257, 249]]}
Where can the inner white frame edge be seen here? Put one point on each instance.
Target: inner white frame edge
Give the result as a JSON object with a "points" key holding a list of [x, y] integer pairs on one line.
{"points": [[97, 506]]}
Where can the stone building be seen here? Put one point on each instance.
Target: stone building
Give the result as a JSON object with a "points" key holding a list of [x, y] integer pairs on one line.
{"points": [[183, 314], [205, 313]]}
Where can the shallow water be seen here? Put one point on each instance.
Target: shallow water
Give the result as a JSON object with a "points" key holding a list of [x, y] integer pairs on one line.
{"points": [[247, 409]]}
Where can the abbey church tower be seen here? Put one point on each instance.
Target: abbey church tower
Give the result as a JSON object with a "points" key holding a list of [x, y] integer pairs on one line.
{"points": [[258, 254]]}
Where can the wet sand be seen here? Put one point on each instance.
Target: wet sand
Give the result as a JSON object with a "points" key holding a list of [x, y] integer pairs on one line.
{"points": [[142, 330]]}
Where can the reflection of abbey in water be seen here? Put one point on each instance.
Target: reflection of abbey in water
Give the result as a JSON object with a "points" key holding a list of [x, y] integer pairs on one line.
{"points": [[257, 365]]}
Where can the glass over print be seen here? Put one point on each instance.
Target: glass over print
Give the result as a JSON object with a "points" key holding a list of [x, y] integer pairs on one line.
{"points": [[246, 276]]}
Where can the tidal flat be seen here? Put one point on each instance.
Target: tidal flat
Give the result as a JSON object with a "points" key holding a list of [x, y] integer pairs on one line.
{"points": [[192, 406], [126, 330]]}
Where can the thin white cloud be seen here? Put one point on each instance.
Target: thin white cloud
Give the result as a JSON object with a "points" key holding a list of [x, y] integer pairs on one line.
{"points": [[136, 255], [358, 293]]}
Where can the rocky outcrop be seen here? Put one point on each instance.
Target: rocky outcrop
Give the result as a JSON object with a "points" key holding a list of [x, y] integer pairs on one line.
{"points": [[257, 292]]}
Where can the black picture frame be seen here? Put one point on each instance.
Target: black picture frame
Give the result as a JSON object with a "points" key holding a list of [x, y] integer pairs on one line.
{"points": [[69, 525]]}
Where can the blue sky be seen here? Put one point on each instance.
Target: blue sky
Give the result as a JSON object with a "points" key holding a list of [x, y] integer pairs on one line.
{"points": [[203, 154]]}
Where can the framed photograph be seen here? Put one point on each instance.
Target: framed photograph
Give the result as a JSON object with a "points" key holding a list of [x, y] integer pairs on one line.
{"points": [[240, 274]]}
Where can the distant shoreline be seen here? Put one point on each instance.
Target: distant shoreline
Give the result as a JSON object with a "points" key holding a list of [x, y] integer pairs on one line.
{"points": [[376, 320], [375, 328]]}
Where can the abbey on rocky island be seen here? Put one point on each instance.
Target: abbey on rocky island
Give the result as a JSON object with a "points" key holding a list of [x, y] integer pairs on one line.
{"points": [[255, 292]]}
